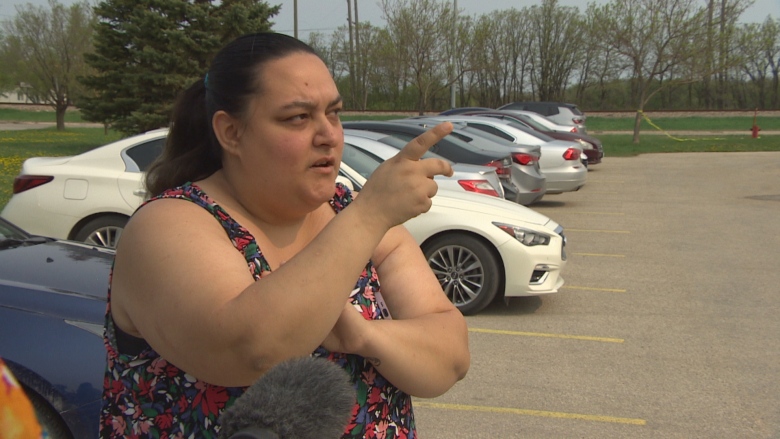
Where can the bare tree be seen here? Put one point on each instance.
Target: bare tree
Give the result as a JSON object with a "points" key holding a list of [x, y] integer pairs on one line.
{"points": [[46, 48], [770, 45], [557, 39], [653, 37], [419, 30]]}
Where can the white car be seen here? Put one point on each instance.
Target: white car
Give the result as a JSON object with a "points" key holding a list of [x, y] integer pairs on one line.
{"points": [[472, 178], [560, 161], [482, 248], [86, 197]]}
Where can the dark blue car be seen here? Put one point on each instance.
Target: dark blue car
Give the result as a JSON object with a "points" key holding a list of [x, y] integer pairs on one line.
{"points": [[52, 306]]}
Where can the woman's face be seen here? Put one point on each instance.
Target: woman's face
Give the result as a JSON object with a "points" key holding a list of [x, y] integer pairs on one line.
{"points": [[291, 142]]}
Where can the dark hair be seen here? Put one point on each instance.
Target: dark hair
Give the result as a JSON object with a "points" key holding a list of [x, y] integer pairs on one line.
{"points": [[192, 151]]}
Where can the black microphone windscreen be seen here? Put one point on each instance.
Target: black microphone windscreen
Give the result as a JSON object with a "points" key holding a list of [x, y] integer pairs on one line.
{"points": [[302, 398]]}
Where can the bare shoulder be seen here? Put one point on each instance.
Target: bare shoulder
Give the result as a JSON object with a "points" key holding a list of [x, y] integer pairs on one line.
{"points": [[170, 249]]}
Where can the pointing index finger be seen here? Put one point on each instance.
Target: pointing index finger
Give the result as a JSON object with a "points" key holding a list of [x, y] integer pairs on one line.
{"points": [[420, 144]]}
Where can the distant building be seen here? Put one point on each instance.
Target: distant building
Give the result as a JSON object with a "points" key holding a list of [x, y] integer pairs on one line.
{"points": [[21, 95]]}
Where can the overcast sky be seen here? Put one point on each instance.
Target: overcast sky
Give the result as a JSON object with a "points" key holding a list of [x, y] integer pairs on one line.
{"points": [[327, 15]]}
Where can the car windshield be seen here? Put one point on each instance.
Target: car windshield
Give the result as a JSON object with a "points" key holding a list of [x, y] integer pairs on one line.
{"points": [[399, 144], [8, 231]]}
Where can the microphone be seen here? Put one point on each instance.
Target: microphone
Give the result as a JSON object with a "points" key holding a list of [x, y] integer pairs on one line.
{"points": [[302, 398]]}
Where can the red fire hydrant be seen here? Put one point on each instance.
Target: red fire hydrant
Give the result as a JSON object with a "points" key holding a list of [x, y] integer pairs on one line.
{"points": [[755, 128]]}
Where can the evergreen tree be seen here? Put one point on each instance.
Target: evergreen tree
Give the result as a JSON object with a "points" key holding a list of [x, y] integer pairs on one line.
{"points": [[147, 51]]}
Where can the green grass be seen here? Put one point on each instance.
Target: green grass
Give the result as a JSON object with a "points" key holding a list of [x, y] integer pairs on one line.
{"points": [[692, 123], [621, 145], [16, 146], [14, 115]]}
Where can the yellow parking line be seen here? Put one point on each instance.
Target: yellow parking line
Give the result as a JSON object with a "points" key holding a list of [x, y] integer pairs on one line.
{"points": [[542, 334], [542, 413], [597, 231], [607, 290], [606, 255]]}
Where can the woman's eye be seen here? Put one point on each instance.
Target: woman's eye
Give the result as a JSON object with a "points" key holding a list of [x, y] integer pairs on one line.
{"points": [[298, 117]]}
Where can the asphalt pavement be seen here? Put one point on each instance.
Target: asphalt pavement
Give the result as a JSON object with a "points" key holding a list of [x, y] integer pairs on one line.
{"points": [[667, 326]]}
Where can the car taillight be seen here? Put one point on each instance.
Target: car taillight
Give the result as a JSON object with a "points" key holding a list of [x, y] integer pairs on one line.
{"points": [[524, 158], [574, 130], [25, 182], [578, 121], [478, 186], [572, 154], [502, 170]]}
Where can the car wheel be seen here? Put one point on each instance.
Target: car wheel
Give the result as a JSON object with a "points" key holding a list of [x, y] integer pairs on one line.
{"points": [[50, 421], [467, 270], [102, 231]]}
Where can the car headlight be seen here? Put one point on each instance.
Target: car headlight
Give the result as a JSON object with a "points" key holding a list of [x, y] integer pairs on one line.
{"points": [[526, 237]]}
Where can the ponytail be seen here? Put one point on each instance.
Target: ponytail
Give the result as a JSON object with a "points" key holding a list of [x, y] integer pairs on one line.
{"points": [[191, 151]]}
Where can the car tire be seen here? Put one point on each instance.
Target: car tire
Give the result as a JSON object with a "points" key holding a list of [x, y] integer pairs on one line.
{"points": [[467, 270], [102, 231], [50, 421]]}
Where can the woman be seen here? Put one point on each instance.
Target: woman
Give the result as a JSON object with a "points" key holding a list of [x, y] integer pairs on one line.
{"points": [[251, 255]]}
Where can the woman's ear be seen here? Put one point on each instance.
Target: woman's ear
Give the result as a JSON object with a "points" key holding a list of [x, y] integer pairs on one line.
{"points": [[228, 131]]}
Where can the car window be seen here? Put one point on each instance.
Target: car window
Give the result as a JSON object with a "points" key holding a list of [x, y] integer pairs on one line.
{"points": [[144, 154], [575, 110], [532, 123], [492, 130], [530, 131], [363, 162]]}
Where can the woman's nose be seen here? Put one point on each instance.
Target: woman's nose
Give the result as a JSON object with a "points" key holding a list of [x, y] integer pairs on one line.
{"points": [[329, 132]]}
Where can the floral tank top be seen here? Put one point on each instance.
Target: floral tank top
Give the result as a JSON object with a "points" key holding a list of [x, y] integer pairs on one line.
{"points": [[144, 396]]}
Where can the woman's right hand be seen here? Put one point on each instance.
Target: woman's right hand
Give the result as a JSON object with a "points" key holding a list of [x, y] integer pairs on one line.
{"points": [[402, 187]]}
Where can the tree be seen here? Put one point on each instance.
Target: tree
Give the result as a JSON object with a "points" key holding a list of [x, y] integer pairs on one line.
{"points": [[652, 37], [419, 30], [557, 39], [147, 51], [44, 48]]}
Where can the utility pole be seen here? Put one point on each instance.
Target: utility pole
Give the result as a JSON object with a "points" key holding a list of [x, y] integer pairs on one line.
{"points": [[359, 97], [452, 51], [295, 19], [351, 53]]}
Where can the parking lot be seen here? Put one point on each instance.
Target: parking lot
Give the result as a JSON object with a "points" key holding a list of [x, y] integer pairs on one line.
{"points": [[668, 325]]}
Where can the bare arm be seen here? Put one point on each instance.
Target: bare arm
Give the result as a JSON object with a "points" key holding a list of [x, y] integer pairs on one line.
{"points": [[423, 350], [182, 286]]}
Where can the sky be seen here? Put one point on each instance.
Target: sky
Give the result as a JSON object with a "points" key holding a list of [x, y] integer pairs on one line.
{"points": [[327, 15]]}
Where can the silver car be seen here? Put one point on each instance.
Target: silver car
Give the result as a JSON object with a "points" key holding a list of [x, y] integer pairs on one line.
{"points": [[561, 160], [471, 178]]}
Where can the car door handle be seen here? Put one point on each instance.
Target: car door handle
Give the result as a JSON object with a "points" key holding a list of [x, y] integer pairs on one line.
{"points": [[140, 192]]}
